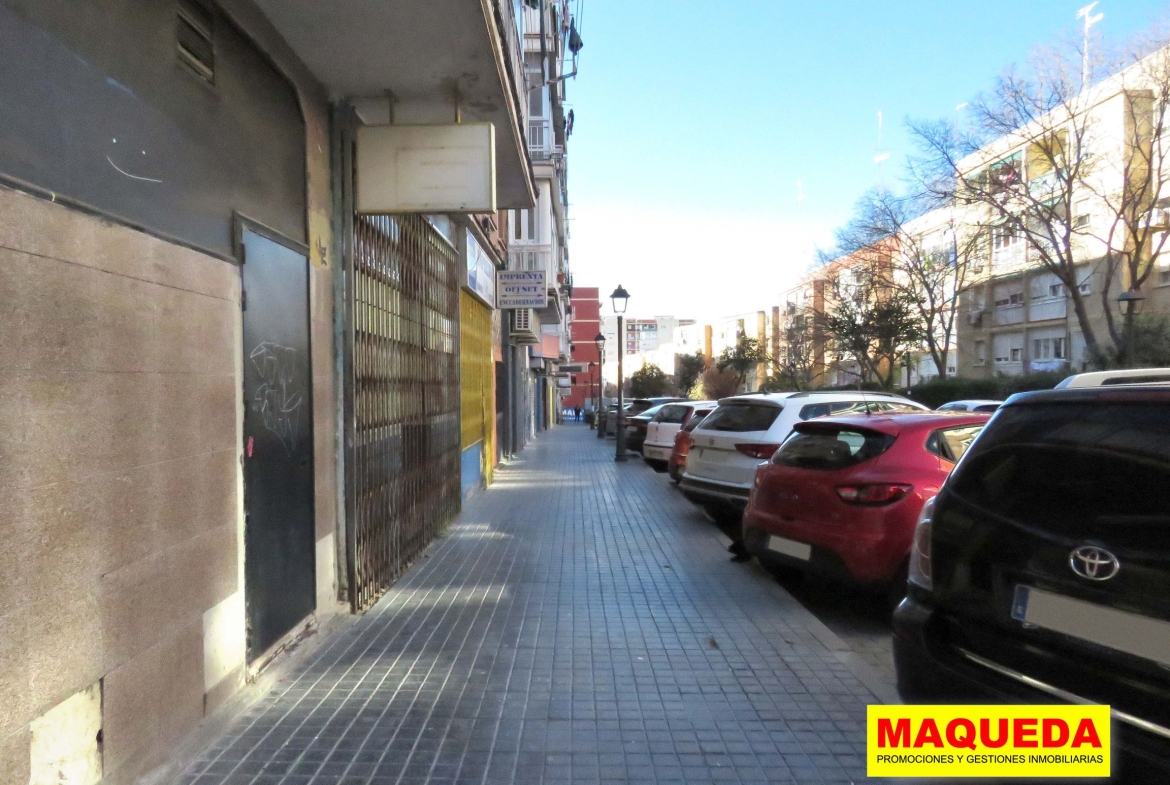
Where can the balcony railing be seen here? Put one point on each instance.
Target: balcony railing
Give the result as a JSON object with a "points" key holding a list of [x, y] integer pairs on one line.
{"points": [[542, 139], [1009, 314], [1048, 308], [533, 257]]}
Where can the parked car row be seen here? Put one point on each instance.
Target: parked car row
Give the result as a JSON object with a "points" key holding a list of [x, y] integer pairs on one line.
{"points": [[1028, 551]]}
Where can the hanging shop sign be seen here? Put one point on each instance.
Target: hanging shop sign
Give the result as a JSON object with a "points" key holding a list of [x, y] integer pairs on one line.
{"points": [[426, 168], [521, 289]]}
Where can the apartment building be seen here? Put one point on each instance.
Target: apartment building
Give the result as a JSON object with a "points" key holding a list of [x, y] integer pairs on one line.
{"points": [[538, 338], [795, 330], [647, 341], [1017, 315], [586, 368]]}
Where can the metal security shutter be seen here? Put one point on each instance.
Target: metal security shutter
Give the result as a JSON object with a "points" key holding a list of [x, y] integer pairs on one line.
{"points": [[404, 461]]}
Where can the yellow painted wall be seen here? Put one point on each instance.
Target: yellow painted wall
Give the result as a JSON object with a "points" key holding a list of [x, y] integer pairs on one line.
{"points": [[477, 379]]}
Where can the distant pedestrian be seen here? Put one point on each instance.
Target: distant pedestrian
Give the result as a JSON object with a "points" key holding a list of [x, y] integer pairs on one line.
{"points": [[577, 413]]}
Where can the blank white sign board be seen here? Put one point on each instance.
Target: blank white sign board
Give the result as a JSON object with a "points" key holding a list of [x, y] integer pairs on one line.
{"points": [[426, 168]]}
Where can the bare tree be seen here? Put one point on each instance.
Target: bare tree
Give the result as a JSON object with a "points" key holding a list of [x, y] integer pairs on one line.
{"points": [[798, 355], [929, 254], [719, 383], [1039, 165], [1133, 186]]}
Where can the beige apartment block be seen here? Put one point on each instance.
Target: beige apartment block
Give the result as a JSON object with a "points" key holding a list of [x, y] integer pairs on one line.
{"points": [[1016, 316]]}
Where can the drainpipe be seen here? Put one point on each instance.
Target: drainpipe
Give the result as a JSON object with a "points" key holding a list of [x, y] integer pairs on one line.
{"points": [[543, 49]]}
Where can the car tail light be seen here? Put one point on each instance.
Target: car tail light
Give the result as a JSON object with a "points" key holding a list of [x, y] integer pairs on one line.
{"points": [[876, 493], [685, 442], [761, 451], [921, 571]]}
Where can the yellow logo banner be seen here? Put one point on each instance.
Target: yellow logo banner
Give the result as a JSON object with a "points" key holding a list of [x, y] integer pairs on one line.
{"points": [[988, 741]]}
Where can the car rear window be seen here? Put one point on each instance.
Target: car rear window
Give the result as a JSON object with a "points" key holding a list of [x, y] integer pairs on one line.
{"points": [[811, 411], [831, 449], [952, 443], [898, 407], [1071, 467], [696, 418], [742, 417], [987, 407], [671, 414]]}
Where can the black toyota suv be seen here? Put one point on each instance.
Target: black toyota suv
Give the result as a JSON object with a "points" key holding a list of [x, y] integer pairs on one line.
{"points": [[1041, 571]]}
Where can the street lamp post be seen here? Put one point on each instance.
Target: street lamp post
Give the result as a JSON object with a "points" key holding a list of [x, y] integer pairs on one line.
{"points": [[600, 342], [619, 298], [1130, 303], [593, 419]]}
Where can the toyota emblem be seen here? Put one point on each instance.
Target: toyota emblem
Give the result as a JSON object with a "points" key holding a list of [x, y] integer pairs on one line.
{"points": [[1096, 564]]}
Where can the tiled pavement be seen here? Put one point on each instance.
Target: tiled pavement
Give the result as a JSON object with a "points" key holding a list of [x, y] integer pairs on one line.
{"points": [[580, 622]]}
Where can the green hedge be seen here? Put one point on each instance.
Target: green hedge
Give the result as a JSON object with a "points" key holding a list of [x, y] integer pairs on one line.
{"points": [[936, 392]]}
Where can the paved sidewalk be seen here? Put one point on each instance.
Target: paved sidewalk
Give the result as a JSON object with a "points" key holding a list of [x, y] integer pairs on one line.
{"points": [[581, 623]]}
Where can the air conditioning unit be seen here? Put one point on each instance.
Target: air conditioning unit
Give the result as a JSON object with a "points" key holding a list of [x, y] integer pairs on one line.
{"points": [[525, 327]]}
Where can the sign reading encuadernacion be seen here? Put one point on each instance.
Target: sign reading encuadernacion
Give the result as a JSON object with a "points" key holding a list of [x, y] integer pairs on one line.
{"points": [[521, 289]]}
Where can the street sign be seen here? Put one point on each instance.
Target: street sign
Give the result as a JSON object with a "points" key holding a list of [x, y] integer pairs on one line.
{"points": [[521, 289]]}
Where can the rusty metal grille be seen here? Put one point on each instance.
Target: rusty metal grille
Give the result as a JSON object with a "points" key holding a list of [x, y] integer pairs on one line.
{"points": [[405, 457]]}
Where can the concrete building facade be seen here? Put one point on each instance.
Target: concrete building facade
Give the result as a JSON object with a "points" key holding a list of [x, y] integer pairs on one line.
{"points": [[1017, 315], [537, 342], [236, 401]]}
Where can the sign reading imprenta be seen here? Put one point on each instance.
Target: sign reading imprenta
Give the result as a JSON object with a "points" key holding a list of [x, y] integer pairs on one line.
{"points": [[521, 289]]}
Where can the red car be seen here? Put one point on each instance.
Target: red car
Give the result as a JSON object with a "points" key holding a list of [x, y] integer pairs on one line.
{"points": [[842, 494], [682, 445]]}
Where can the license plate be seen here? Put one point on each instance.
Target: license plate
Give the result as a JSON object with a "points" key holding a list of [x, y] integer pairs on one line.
{"points": [[711, 456], [1131, 633], [797, 550], [656, 452]]}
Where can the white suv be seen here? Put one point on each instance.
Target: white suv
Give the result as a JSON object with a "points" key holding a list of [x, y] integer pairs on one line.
{"points": [[745, 430], [1118, 377]]}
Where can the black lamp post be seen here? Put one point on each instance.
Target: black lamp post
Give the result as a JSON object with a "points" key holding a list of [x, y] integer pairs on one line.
{"points": [[593, 420], [600, 343], [620, 298], [1130, 303]]}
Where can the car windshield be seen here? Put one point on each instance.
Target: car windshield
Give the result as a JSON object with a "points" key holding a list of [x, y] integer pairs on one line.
{"points": [[696, 418], [742, 417], [831, 449], [1068, 465]]}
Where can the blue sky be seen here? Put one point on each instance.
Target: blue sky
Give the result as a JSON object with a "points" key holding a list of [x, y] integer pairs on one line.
{"points": [[696, 120]]}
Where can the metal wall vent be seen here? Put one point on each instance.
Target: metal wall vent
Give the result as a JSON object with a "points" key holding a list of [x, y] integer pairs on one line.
{"points": [[523, 319], [195, 39]]}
